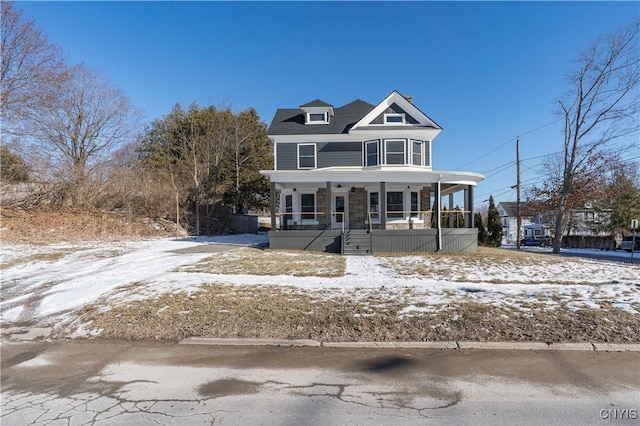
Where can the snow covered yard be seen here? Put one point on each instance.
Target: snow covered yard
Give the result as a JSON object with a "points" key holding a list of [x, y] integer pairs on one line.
{"points": [[170, 289]]}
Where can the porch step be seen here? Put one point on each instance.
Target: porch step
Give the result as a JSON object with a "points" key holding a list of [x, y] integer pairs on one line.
{"points": [[357, 242]]}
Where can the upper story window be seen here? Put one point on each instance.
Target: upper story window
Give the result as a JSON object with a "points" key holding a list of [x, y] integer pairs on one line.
{"points": [[372, 154], [394, 119], [307, 156], [395, 151], [317, 118], [417, 153]]}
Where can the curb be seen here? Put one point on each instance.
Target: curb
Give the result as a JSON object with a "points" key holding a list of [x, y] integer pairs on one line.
{"points": [[533, 346]]}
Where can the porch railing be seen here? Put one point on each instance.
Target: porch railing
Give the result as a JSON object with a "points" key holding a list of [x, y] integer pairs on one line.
{"points": [[308, 220], [423, 217]]}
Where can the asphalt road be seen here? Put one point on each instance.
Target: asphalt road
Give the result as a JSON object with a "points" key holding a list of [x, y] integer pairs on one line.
{"points": [[101, 383]]}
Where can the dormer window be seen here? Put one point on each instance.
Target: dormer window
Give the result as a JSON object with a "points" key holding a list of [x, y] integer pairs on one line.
{"points": [[317, 118], [317, 112], [394, 119]]}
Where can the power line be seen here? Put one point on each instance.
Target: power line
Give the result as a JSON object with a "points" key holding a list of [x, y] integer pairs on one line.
{"points": [[509, 141]]}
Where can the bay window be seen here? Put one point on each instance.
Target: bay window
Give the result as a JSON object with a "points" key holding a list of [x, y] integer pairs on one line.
{"points": [[372, 157], [395, 151]]}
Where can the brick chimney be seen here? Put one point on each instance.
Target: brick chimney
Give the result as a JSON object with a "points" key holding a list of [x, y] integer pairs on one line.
{"points": [[409, 98]]}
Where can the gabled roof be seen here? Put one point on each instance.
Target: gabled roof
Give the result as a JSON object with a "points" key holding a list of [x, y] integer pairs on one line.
{"points": [[357, 115], [291, 121], [394, 102], [316, 103], [510, 208]]}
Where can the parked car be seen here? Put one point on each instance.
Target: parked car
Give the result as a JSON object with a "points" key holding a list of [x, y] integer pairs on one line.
{"points": [[543, 241], [530, 242], [627, 244]]}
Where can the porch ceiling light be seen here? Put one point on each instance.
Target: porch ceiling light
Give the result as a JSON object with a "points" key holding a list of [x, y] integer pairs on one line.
{"points": [[353, 189]]}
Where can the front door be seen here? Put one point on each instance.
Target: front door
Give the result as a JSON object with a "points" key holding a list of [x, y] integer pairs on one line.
{"points": [[340, 212]]}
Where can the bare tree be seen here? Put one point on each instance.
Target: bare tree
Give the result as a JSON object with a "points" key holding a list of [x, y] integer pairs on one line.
{"points": [[248, 146], [90, 120], [32, 70], [601, 106]]}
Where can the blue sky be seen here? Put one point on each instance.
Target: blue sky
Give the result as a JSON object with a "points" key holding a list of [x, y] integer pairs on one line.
{"points": [[487, 72]]}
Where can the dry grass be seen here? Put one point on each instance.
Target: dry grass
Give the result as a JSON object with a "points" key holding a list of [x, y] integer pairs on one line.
{"points": [[47, 226], [249, 261], [288, 313], [488, 265]]}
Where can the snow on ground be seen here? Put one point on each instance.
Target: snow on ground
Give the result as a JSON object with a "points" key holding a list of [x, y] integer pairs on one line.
{"points": [[48, 283]]}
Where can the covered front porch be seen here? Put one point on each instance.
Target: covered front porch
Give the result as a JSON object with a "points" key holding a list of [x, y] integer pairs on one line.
{"points": [[368, 211]]}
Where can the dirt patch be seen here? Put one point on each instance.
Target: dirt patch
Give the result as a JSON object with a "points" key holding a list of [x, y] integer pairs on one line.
{"points": [[18, 226], [287, 313]]}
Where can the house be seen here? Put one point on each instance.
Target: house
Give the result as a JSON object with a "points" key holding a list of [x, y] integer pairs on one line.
{"points": [[358, 179], [587, 223], [508, 216]]}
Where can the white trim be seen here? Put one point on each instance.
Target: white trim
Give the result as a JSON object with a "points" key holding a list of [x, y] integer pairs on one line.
{"points": [[325, 120], [402, 102], [315, 156], [366, 155], [313, 221], [390, 174], [394, 123], [342, 192], [423, 133], [411, 141]]}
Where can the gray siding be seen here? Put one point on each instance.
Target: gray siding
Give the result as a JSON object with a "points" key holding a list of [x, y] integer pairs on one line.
{"points": [[403, 241], [427, 153], [424, 240], [328, 154], [339, 154], [328, 241], [286, 156], [394, 109]]}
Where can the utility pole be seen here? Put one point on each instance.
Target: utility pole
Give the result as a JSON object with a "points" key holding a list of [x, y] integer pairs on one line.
{"points": [[518, 219]]}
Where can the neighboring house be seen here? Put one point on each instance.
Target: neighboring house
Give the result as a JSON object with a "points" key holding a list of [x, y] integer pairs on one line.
{"points": [[359, 179], [509, 218], [584, 222], [589, 222]]}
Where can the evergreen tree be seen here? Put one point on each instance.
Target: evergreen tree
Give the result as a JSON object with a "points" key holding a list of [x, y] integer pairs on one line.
{"points": [[494, 225], [444, 218], [482, 232], [458, 221], [623, 201]]}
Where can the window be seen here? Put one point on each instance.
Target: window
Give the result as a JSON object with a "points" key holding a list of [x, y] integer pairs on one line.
{"points": [[395, 204], [371, 152], [416, 149], [288, 206], [306, 156], [374, 206], [394, 151], [317, 117], [415, 205], [308, 206], [394, 119]]}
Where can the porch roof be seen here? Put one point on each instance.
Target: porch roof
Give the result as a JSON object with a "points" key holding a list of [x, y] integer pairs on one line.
{"points": [[367, 175]]}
